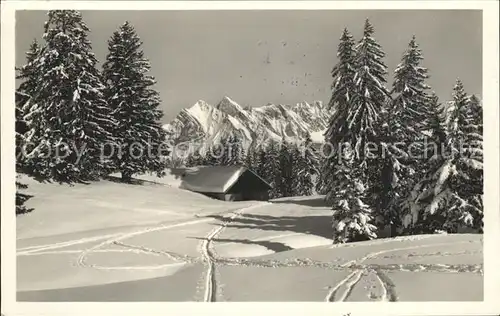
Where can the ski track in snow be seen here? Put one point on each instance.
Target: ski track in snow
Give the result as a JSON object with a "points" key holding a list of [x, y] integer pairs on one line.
{"points": [[388, 288], [34, 249], [83, 255], [208, 281], [383, 296], [209, 256], [387, 285]]}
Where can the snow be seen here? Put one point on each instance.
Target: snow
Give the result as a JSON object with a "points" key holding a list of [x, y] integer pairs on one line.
{"points": [[237, 125], [203, 113], [318, 137], [63, 209], [216, 179], [109, 241]]}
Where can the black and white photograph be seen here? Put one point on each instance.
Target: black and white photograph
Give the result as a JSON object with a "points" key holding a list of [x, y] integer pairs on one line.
{"points": [[253, 155]]}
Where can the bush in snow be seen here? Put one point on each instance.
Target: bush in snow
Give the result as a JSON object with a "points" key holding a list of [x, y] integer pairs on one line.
{"points": [[134, 105]]}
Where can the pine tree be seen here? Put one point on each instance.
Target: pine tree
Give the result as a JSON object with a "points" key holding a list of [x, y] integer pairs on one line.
{"points": [[351, 215], [213, 156], [270, 168], [135, 105], [371, 95], [251, 159], [191, 161], [342, 91], [241, 157], [306, 167], [437, 130], [285, 176], [199, 158], [23, 96], [297, 168], [234, 153], [410, 111], [27, 73], [66, 114], [401, 135], [432, 160], [451, 194]]}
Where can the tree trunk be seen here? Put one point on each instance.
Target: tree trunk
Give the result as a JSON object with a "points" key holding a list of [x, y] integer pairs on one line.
{"points": [[126, 176]]}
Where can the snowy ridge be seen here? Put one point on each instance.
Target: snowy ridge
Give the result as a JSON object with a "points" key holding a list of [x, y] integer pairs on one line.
{"points": [[208, 124]]}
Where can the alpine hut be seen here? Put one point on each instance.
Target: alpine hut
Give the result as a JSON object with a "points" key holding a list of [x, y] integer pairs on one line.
{"points": [[228, 183]]}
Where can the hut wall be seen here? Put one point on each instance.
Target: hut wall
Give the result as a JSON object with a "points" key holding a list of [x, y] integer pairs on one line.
{"points": [[250, 187]]}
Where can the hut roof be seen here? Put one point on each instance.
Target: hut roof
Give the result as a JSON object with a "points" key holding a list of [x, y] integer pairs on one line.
{"points": [[214, 179]]}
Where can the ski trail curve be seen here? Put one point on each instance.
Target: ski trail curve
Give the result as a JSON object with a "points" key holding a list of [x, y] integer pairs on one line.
{"points": [[64, 244], [208, 255], [350, 281], [388, 286], [120, 237]]}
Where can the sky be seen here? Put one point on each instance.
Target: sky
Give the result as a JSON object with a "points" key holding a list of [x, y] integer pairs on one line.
{"points": [[276, 56]]}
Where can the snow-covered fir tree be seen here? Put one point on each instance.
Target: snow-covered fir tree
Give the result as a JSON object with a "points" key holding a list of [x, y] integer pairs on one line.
{"points": [[191, 160], [368, 118], [343, 88], [305, 168], [476, 111], [259, 162], [432, 160], [29, 76], [135, 105], [286, 176], [23, 94], [222, 151], [401, 135], [67, 115], [450, 196], [370, 95], [251, 158], [437, 131], [339, 105], [200, 158], [352, 217], [214, 155], [234, 153], [269, 167], [295, 157], [410, 111]]}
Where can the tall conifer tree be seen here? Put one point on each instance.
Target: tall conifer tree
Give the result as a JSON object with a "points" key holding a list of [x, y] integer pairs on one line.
{"points": [[23, 95], [67, 115], [450, 195], [339, 106], [135, 105]]}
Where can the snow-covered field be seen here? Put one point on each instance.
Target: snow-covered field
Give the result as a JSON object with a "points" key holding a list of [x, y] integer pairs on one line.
{"points": [[109, 241]]}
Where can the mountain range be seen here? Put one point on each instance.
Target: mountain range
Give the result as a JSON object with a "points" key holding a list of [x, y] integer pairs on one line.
{"points": [[204, 124]]}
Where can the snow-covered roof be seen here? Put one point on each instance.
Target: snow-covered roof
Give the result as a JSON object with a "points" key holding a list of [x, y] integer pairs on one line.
{"points": [[214, 179]]}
